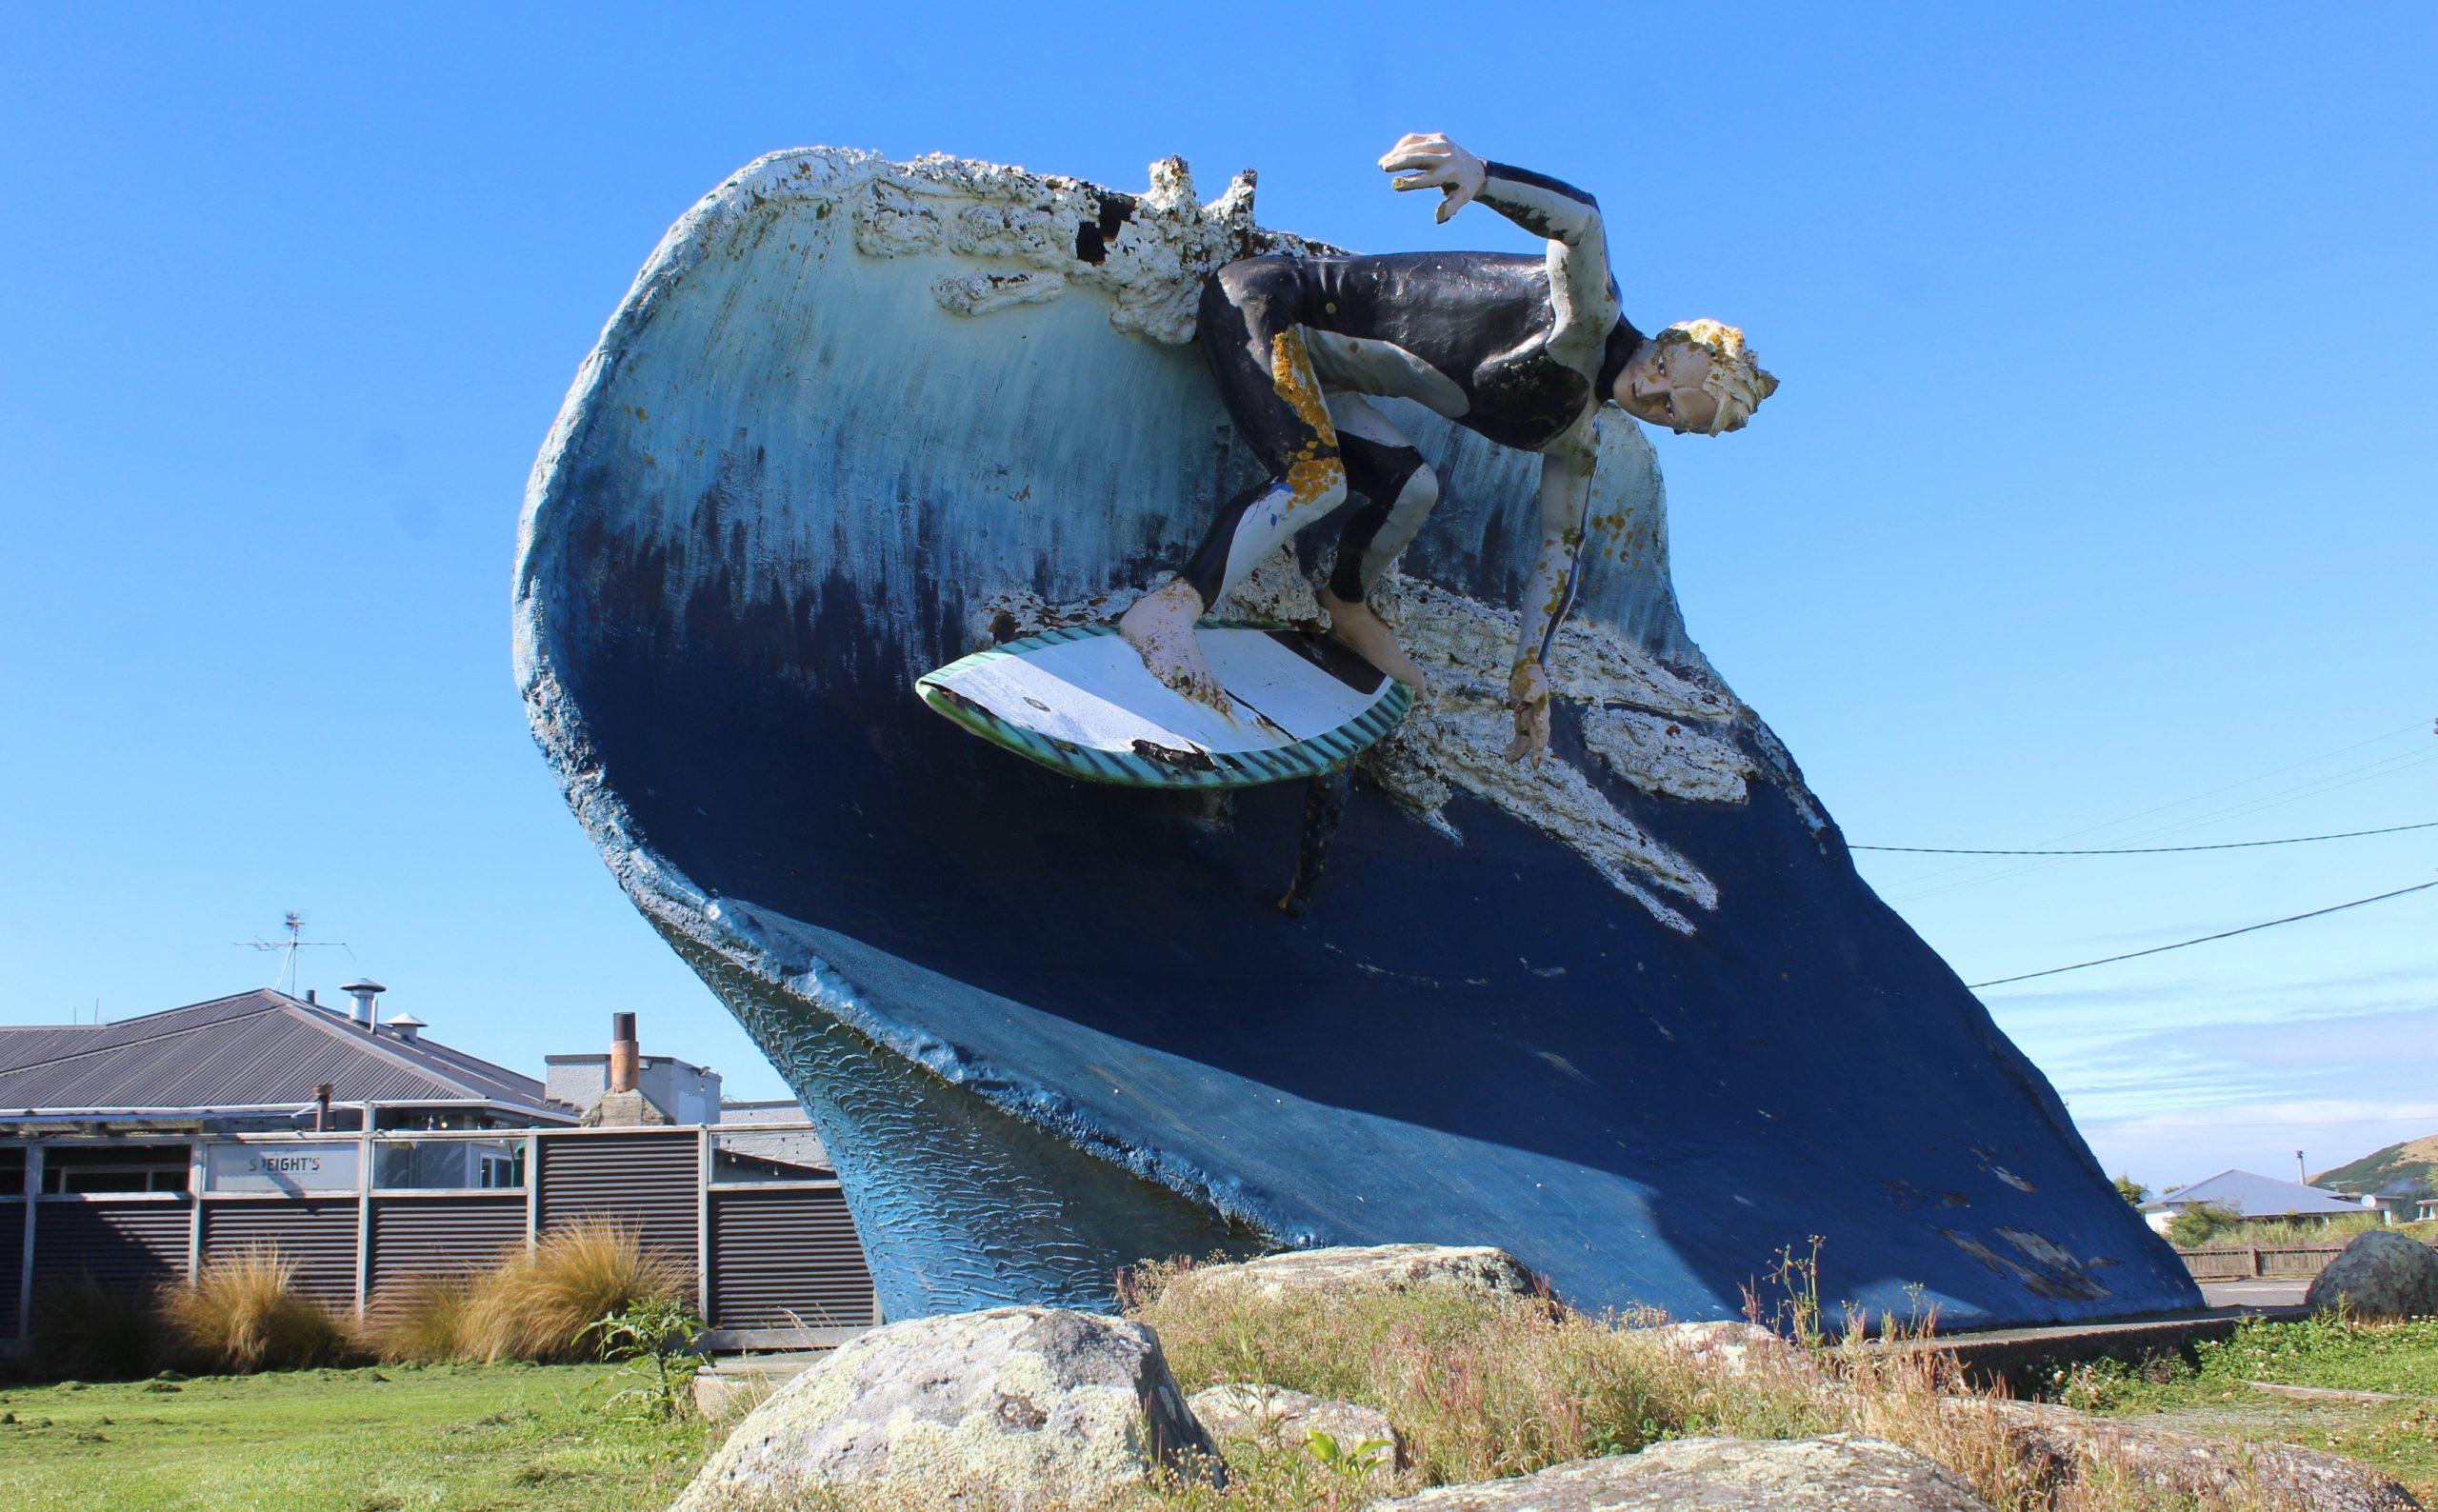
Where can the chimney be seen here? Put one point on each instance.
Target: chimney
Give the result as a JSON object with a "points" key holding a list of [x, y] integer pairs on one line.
{"points": [[405, 1026], [310, 998], [364, 989], [626, 1056], [321, 1107]]}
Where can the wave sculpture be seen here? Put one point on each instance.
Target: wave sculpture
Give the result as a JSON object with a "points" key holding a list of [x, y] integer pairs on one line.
{"points": [[1629, 1013]]}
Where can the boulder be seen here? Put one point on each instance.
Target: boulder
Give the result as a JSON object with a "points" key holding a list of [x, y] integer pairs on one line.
{"points": [[1250, 1412], [2380, 1275], [1385, 1267], [1010, 1407], [2191, 1464], [1843, 1471]]}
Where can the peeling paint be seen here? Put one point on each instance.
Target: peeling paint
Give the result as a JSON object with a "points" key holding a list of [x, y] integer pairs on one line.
{"points": [[1148, 253], [1667, 757]]}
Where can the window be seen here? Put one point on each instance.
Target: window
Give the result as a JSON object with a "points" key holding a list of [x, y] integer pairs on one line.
{"points": [[777, 1155], [12, 1170], [448, 1166], [114, 1168]]}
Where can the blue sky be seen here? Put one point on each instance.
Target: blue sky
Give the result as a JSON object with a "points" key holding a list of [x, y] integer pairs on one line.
{"points": [[2097, 502]]}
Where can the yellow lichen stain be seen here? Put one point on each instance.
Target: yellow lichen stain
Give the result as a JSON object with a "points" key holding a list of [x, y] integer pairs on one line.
{"points": [[648, 461], [1292, 377], [1311, 475], [1310, 478]]}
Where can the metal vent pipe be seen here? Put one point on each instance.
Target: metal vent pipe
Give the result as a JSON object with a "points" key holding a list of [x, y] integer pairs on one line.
{"points": [[364, 989], [625, 1055]]}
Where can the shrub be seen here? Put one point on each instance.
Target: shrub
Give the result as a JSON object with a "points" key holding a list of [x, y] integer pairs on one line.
{"points": [[537, 1305], [83, 1329], [656, 1339], [243, 1314], [2193, 1226], [422, 1322]]}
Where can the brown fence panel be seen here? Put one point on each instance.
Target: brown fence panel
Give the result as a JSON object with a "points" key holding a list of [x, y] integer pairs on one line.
{"points": [[647, 1183], [416, 1237], [129, 1246], [2244, 1261], [785, 1257], [13, 1262], [315, 1233]]}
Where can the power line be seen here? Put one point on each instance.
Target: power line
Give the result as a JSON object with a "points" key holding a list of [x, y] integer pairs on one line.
{"points": [[2240, 805], [2312, 789], [2150, 851], [2226, 934]]}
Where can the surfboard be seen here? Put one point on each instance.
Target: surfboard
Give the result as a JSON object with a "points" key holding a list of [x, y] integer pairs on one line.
{"points": [[1080, 700]]}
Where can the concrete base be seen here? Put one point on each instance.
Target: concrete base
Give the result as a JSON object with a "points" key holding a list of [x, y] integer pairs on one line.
{"points": [[2270, 1295], [734, 1386], [2018, 1360]]}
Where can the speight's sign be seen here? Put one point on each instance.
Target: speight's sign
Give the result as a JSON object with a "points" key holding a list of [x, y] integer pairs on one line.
{"points": [[282, 1168]]}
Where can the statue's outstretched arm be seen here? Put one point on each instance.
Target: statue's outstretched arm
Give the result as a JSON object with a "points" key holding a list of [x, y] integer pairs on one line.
{"points": [[1579, 287]]}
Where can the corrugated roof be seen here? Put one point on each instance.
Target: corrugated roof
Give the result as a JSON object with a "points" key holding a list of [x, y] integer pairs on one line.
{"points": [[2256, 1196], [257, 1048]]}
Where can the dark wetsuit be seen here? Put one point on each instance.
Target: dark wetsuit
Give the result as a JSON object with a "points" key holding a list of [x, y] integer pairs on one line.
{"points": [[1522, 349]]}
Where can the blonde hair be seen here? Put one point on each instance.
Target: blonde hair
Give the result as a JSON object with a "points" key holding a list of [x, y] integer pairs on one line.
{"points": [[1735, 381]]}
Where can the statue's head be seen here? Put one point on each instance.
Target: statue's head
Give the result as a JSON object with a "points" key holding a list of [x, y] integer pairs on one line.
{"points": [[1696, 377]]}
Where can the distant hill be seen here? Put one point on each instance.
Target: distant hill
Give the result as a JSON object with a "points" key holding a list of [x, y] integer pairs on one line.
{"points": [[2413, 1160]]}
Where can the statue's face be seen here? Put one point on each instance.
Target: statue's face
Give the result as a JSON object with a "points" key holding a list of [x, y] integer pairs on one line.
{"points": [[1662, 384]]}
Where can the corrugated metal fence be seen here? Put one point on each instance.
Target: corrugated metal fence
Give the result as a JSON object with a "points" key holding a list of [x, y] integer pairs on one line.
{"points": [[773, 1252]]}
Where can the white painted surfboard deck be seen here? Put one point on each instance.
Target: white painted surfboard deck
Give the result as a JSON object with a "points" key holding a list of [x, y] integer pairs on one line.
{"points": [[1082, 701]]}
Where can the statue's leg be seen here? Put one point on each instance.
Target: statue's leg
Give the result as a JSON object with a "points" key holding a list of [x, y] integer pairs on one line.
{"points": [[1250, 330], [1398, 489]]}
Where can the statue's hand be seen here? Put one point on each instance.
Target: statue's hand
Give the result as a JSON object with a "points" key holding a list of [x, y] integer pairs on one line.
{"points": [[1528, 694], [1428, 160]]}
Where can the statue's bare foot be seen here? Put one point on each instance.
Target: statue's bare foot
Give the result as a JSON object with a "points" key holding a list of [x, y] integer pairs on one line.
{"points": [[1363, 632], [1160, 627]]}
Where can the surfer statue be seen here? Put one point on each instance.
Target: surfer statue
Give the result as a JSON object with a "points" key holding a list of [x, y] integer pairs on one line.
{"points": [[1524, 350]]}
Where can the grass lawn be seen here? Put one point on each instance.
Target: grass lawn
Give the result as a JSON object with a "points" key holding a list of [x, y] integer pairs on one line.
{"points": [[2217, 1396], [506, 1436], [518, 1436]]}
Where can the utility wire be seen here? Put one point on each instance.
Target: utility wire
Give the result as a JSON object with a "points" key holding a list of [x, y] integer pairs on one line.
{"points": [[2313, 789], [2226, 934], [2240, 805], [2150, 851]]}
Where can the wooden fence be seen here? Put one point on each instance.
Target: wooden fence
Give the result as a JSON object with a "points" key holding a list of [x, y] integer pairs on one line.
{"points": [[2250, 1262]]}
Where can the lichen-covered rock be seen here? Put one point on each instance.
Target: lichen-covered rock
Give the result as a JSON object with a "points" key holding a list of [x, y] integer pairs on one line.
{"points": [[1385, 1267], [1250, 1412], [1842, 1472], [1031, 1405], [2380, 1275], [1735, 1349], [2079, 1446]]}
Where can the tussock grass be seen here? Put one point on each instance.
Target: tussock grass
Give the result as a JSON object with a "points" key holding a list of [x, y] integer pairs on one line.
{"points": [[536, 1305], [244, 1314], [422, 1321], [1478, 1386]]}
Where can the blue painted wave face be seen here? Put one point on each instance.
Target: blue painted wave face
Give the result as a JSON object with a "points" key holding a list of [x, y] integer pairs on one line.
{"points": [[1048, 1029]]}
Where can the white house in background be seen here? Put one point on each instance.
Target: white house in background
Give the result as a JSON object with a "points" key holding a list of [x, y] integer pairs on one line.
{"points": [[2254, 1196]]}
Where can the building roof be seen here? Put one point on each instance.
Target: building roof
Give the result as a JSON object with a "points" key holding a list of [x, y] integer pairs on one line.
{"points": [[256, 1049], [2256, 1196]]}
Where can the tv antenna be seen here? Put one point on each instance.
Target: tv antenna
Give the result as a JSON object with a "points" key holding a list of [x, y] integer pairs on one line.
{"points": [[294, 923]]}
